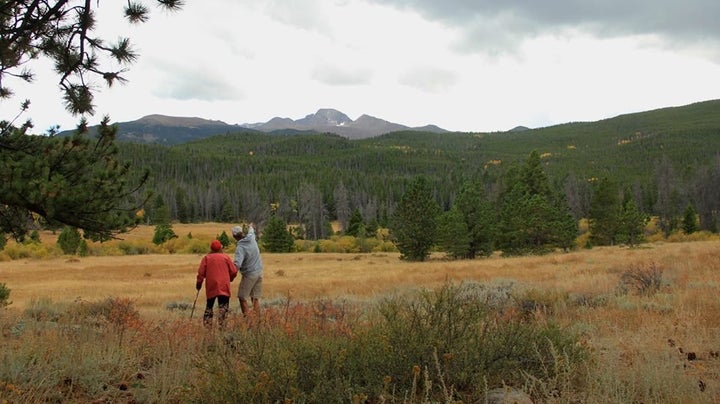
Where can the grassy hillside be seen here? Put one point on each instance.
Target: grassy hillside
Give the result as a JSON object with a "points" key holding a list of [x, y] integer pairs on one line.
{"points": [[627, 146]]}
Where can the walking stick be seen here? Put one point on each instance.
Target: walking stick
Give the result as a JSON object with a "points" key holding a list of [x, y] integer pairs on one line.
{"points": [[193, 308]]}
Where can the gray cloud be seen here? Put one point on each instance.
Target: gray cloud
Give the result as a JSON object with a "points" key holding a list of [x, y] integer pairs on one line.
{"points": [[499, 24]]}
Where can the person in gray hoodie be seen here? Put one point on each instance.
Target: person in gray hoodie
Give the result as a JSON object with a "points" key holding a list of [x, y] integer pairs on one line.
{"points": [[249, 263]]}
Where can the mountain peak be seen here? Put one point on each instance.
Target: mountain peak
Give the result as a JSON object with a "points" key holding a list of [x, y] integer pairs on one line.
{"points": [[325, 117], [163, 129]]}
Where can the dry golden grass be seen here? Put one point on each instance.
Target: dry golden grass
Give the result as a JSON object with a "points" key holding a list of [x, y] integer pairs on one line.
{"points": [[634, 336], [153, 280]]}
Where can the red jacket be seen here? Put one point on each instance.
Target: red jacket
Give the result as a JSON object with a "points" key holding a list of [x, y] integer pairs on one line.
{"points": [[219, 270]]}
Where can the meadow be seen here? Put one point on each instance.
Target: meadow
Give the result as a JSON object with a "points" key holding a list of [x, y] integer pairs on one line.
{"points": [[610, 324]]}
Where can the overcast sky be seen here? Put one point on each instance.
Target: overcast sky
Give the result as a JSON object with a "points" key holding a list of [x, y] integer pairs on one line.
{"points": [[465, 65]]}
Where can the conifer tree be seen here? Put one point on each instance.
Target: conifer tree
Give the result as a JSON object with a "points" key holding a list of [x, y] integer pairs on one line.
{"points": [[605, 211], [690, 220], [479, 217], [563, 223], [532, 218], [356, 224], [453, 235], [277, 237], [533, 177], [163, 232], [371, 228], [413, 225], [69, 240], [224, 239], [631, 223], [75, 181]]}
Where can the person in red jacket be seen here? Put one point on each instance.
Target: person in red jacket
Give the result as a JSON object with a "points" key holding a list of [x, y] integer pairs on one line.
{"points": [[218, 270]]}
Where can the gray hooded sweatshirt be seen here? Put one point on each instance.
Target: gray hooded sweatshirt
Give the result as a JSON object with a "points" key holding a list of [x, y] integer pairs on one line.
{"points": [[247, 255]]}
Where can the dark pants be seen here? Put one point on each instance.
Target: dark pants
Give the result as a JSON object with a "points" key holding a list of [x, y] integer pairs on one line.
{"points": [[223, 307]]}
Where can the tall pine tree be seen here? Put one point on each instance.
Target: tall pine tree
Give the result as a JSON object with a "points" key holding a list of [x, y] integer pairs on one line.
{"points": [[532, 218], [631, 222], [479, 217], [453, 235], [605, 212], [414, 223], [277, 237], [356, 224], [690, 220]]}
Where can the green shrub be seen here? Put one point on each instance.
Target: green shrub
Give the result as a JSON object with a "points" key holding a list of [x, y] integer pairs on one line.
{"points": [[83, 250], [447, 345], [478, 342], [35, 237], [451, 344], [4, 296], [163, 233], [133, 248], [69, 240], [224, 239]]}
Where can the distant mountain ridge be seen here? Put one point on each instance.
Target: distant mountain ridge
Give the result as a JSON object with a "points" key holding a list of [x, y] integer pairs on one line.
{"points": [[169, 130], [333, 121]]}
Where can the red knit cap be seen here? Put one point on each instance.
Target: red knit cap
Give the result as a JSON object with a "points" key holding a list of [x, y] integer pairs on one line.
{"points": [[216, 245]]}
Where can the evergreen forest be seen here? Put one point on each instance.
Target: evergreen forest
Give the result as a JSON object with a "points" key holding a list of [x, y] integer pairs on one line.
{"points": [[658, 164]]}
